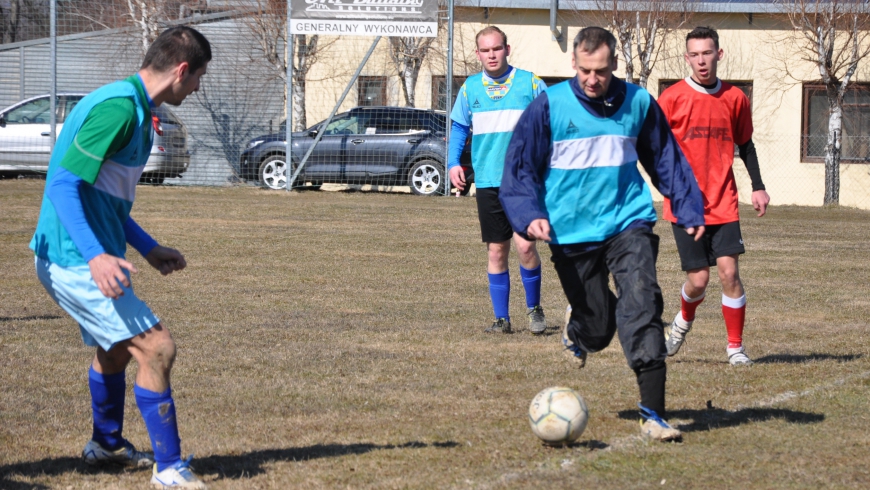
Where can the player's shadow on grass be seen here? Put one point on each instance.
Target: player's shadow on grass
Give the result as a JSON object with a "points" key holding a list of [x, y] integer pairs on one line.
{"points": [[719, 418], [590, 445], [802, 358], [46, 467], [232, 467], [550, 330], [252, 463]]}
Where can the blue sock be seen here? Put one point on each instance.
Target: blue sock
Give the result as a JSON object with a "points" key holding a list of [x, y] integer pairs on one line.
{"points": [[107, 400], [500, 292], [532, 285], [158, 411]]}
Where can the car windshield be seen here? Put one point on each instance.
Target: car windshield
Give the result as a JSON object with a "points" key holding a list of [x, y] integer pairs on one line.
{"points": [[36, 111]]}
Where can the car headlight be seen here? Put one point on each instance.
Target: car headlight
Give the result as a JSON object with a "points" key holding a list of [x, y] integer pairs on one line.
{"points": [[254, 143]]}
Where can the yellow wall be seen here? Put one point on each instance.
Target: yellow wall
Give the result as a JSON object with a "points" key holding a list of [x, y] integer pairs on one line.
{"points": [[758, 51]]}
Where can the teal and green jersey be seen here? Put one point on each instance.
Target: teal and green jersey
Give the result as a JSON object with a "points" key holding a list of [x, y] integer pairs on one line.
{"points": [[106, 141]]}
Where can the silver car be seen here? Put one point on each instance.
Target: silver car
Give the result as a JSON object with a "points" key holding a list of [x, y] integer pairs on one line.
{"points": [[25, 134]]}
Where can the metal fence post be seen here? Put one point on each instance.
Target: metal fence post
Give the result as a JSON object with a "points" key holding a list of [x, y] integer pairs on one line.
{"points": [[448, 104], [53, 71], [288, 125]]}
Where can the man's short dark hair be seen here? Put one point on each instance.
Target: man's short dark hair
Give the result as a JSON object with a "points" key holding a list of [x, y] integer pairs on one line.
{"points": [[591, 38], [178, 45], [704, 32], [491, 30]]}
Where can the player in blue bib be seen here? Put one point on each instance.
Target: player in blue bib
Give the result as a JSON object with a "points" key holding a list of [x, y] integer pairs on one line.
{"points": [[489, 105], [81, 241], [571, 178]]}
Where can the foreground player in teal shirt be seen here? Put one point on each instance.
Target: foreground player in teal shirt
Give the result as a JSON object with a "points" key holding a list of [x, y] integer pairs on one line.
{"points": [[81, 241]]}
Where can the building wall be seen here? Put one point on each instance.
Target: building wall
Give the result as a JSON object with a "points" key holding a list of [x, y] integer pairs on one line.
{"points": [[243, 96], [756, 50]]}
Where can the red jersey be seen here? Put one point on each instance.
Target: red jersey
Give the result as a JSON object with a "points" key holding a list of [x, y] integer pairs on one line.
{"points": [[707, 124]]}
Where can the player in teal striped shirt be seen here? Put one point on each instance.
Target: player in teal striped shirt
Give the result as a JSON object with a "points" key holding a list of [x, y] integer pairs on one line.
{"points": [[489, 104]]}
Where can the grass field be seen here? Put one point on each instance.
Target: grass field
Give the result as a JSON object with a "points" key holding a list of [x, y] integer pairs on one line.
{"points": [[334, 340]]}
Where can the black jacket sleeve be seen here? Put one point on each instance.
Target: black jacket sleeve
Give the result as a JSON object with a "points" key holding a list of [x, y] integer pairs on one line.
{"points": [[526, 161]]}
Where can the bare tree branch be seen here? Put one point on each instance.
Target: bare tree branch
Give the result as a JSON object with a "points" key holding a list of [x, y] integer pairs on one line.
{"points": [[642, 28], [267, 24], [834, 36]]}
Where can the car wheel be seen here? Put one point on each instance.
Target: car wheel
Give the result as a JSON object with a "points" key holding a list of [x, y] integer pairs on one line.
{"points": [[273, 172], [426, 178]]}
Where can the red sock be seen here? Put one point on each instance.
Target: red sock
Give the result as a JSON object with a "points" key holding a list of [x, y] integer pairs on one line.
{"points": [[689, 305], [734, 311]]}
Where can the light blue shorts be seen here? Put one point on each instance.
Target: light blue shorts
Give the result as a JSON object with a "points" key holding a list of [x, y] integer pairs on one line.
{"points": [[103, 321]]}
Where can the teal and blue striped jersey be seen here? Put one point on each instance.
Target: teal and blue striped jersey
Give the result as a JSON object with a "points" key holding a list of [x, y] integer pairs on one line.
{"points": [[573, 161], [594, 159], [492, 109]]}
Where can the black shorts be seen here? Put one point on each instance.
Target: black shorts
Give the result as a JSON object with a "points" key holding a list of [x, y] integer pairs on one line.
{"points": [[718, 241], [494, 225]]}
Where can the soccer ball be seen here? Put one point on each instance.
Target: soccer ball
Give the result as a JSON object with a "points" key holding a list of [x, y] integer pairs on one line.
{"points": [[558, 416]]}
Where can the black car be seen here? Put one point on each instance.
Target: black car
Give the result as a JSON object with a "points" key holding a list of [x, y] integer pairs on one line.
{"points": [[366, 145]]}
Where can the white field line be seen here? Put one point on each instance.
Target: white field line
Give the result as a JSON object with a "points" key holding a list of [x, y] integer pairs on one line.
{"points": [[790, 395]]}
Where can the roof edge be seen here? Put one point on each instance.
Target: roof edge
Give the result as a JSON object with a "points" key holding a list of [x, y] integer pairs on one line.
{"points": [[700, 6]]}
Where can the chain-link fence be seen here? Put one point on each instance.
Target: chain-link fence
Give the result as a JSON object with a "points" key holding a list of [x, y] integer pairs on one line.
{"points": [[389, 132], [231, 132]]}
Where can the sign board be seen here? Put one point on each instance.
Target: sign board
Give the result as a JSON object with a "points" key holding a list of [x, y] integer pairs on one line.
{"points": [[405, 18]]}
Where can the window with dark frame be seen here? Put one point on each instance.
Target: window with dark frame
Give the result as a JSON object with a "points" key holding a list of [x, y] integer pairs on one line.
{"points": [[439, 91], [371, 91], [744, 86], [855, 147]]}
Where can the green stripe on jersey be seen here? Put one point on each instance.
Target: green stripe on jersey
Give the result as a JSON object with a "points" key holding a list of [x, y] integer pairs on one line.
{"points": [[108, 128]]}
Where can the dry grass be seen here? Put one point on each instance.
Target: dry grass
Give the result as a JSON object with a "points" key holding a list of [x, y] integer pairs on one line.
{"points": [[335, 340]]}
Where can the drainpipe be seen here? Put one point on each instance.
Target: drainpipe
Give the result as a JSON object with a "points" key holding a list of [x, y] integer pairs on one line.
{"points": [[554, 11]]}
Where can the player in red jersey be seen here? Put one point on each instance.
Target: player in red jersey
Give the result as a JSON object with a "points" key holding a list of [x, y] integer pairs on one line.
{"points": [[708, 117]]}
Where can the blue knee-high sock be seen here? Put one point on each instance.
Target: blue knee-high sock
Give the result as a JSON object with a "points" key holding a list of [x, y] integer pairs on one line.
{"points": [[532, 285], [107, 400], [500, 292], [158, 410]]}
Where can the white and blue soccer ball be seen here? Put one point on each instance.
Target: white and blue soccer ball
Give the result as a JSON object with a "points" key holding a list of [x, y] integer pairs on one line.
{"points": [[558, 416]]}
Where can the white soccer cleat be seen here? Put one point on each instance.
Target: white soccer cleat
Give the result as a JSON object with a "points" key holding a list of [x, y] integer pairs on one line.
{"points": [[675, 334], [94, 454], [738, 357], [177, 476], [656, 428]]}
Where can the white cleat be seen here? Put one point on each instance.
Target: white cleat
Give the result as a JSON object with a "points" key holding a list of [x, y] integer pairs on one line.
{"points": [[656, 428], [176, 476], [675, 334], [738, 357]]}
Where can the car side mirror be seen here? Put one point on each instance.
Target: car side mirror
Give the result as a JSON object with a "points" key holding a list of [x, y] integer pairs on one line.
{"points": [[312, 133], [2, 120]]}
